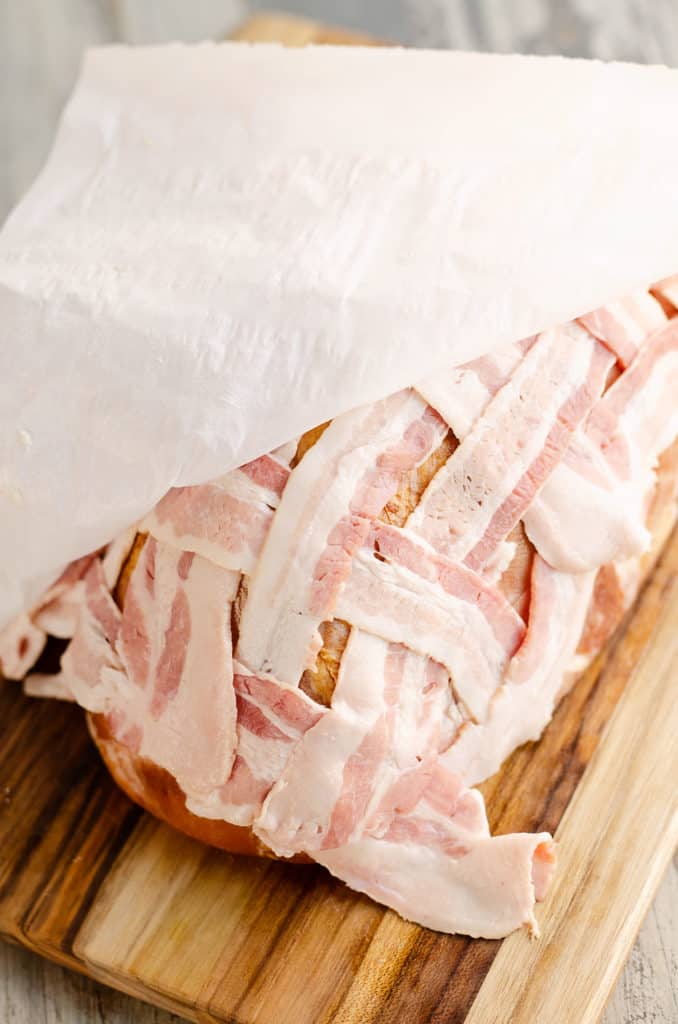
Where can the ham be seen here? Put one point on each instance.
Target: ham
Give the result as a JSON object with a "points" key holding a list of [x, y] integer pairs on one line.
{"points": [[341, 483]]}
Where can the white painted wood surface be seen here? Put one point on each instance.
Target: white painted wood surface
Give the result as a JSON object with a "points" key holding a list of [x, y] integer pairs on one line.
{"points": [[40, 45]]}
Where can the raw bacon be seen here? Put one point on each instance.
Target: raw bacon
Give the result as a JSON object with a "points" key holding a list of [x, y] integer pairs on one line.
{"points": [[486, 486], [405, 593], [226, 520], [344, 480], [592, 510], [175, 647], [271, 719], [457, 635], [623, 326], [522, 707], [21, 644]]}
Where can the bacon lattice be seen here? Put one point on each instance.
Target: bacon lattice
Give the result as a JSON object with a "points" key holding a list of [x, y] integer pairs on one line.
{"points": [[444, 671]]}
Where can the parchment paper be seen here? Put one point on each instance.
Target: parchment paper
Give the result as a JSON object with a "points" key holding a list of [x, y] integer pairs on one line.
{"points": [[230, 244]]}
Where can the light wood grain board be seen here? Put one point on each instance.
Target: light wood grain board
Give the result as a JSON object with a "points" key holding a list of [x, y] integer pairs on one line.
{"points": [[89, 881]]}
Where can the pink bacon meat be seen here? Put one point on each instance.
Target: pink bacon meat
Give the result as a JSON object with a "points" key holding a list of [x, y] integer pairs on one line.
{"points": [[593, 512], [225, 520], [423, 848], [346, 478], [623, 326], [399, 589], [475, 500], [522, 707], [175, 646], [271, 719], [385, 719]]}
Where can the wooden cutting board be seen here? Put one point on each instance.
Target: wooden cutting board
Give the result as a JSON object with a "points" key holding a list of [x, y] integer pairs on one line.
{"points": [[89, 880]]}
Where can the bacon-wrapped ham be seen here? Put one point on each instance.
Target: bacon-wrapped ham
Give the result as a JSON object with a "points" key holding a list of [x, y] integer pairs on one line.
{"points": [[317, 655]]}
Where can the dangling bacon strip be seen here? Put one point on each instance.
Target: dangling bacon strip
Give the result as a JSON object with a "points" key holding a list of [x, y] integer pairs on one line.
{"points": [[437, 873], [175, 647], [90, 666], [56, 613], [21, 644], [385, 818]]}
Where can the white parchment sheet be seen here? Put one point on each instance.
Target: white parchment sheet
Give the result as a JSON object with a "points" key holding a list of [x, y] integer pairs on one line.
{"points": [[233, 243]]}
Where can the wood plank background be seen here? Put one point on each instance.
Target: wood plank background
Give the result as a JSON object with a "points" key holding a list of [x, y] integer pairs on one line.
{"points": [[40, 45]]}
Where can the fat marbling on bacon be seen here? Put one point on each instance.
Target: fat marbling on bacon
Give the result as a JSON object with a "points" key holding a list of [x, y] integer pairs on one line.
{"points": [[444, 671]]}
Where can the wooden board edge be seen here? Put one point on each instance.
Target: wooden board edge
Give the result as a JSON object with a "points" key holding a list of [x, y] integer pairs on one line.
{"points": [[501, 998], [616, 805]]}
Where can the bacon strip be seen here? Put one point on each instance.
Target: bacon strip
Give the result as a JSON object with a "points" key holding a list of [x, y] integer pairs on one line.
{"points": [[90, 667], [623, 326], [445, 613], [423, 848], [346, 477], [440, 678], [272, 718], [56, 613], [39, 684], [462, 395], [668, 289], [479, 885], [638, 416], [595, 513], [175, 647], [21, 644], [386, 717], [523, 706], [475, 500], [226, 520], [583, 516]]}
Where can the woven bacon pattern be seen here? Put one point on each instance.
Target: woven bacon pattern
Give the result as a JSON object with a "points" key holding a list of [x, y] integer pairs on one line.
{"points": [[394, 545]]}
